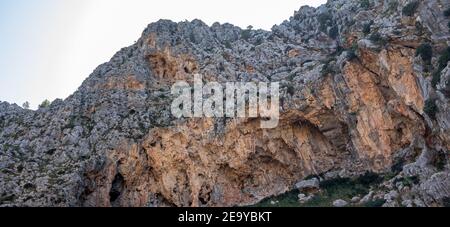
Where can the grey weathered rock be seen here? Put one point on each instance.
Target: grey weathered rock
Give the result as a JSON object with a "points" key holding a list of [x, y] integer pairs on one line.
{"points": [[302, 198], [391, 196], [351, 102], [355, 199], [436, 188], [367, 197], [340, 203], [312, 184]]}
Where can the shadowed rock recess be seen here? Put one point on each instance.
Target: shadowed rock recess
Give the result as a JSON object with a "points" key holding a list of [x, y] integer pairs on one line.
{"points": [[358, 93]]}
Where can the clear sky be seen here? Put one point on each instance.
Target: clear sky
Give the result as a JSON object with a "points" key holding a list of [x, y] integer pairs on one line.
{"points": [[48, 47]]}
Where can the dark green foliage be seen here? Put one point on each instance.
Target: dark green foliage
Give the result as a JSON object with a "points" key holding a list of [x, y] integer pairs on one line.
{"points": [[367, 28], [334, 32], [365, 4], [441, 160], [436, 78], [398, 166], [410, 8], [291, 89], [408, 181], [6, 198], [431, 108], [45, 104], [26, 105], [259, 41], [329, 67], [444, 58], [369, 178], [351, 55], [446, 202], [228, 45], [446, 89], [419, 28], [447, 12], [375, 203], [331, 190], [325, 20], [192, 38], [393, 5], [344, 187], [448, 25], [442, 63], [246, 34], [425, 50], [378, 39]]}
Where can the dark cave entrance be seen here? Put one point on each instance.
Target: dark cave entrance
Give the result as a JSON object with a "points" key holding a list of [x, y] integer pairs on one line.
{"points": [[116, 189]]}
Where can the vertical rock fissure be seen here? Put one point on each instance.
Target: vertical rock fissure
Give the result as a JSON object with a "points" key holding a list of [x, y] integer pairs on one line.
{"points": [[116, 189]]}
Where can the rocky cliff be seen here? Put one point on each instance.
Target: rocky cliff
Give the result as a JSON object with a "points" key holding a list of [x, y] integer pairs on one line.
{"points": [[365, 87]]}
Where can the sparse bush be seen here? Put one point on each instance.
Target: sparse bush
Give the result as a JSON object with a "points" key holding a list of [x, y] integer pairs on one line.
{"points": [[444, 59], [325, 20], [365, 4], [411, 181], [351, 55], [228, 45], [408, 181], [440, 161], [367, 28], [393, 5], [436, 78], [334, 32], [246, 34], [334, 182], [26, 105], [446, 202], [375, 203], [328, 68], [425, 50], [45, 104], [446, 89], [410, 8], [192, 38], [378, 39], [447, 12], [397, 167], [259, 41], [291, 89], [431, 108], [442, 63], [369, 178]]}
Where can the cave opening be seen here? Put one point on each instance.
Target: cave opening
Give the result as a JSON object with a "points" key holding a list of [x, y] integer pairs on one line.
{"points": [[116, 188]]}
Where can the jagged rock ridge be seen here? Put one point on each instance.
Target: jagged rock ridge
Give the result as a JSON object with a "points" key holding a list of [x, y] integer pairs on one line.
{"points": [[353, 98]]}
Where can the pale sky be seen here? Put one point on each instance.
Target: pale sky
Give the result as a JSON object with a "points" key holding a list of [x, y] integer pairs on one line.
{"points": [[48, 47]]}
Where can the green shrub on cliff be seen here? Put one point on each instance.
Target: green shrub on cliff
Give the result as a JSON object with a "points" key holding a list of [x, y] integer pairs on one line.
{"points": [[410, 8], [431, 108], [45, 104], [425, 51]]}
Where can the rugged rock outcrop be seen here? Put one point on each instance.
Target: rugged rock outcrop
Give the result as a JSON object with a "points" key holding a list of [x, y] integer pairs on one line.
{"points": [[354, 91]]}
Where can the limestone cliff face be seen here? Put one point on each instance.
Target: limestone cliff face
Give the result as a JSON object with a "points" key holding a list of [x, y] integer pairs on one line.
{"points": [[353, 98]]}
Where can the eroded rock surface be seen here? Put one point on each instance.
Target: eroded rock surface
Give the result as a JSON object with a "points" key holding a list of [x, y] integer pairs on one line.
{"points": [[353, 98]]}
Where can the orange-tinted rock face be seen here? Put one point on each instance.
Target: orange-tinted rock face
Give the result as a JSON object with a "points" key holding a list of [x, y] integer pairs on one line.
{"points": [[207, 162], [169, 67], [193, 165], [129, 83], [346, 109]]}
